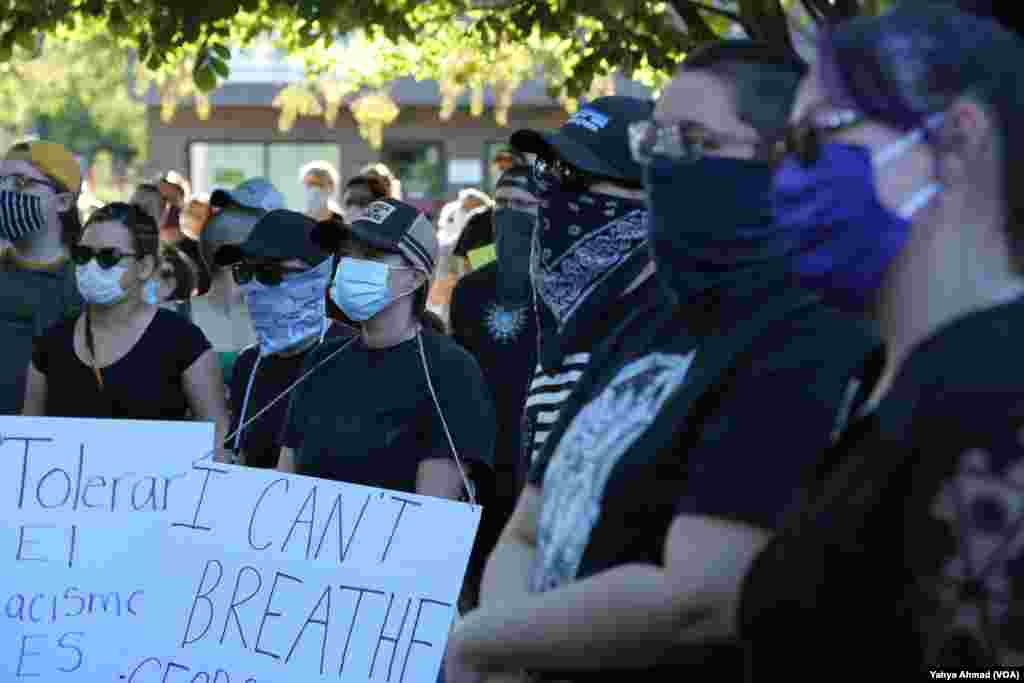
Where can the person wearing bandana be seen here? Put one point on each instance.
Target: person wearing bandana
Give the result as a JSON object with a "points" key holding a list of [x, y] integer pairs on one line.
{"points": [[39, 221], [283, 277], [590, 264], [492, 318], [693, 424]]}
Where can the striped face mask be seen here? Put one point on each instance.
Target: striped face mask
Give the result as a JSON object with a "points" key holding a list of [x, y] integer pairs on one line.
{"points": [[21, 214]]}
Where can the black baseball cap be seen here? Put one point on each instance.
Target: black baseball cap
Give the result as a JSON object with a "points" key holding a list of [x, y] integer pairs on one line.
{"points": [[392, 225], [278, 235], [595, 139]]}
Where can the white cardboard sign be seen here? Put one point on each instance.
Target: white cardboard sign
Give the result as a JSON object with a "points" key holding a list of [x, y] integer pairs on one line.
{"points": [[164, 567]]}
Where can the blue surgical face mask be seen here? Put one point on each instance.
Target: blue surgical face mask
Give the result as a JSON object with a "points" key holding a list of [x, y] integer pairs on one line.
{"points": [[847, 238], [361, 288], [291, 313]]}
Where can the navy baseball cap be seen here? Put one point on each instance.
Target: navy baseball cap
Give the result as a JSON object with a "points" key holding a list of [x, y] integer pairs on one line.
{"points": [[595, 139], [278, 235]]}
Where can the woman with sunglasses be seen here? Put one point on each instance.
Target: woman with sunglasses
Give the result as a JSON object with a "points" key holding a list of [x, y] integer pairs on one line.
{"points": [[123, 358], [907, 549]]}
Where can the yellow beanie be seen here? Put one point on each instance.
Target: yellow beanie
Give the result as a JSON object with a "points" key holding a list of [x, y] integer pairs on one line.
{"points": [[51, 159]]}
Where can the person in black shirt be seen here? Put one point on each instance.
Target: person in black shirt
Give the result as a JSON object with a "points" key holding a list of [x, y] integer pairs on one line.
{"points": [[399, 406], [492, 318], [590, 261], [907, 547], [123, 358], [284, 277], [698, 414], [476, 243]]}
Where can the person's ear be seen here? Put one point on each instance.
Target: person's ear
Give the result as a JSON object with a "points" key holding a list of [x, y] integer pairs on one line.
{"points": [[969, 130]]}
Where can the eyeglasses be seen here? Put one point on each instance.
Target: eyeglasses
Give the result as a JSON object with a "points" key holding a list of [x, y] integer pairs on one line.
{"points": [[107, 257], [517, 204], [803, 140], [680, 141], [20, 183], [269, 274]]}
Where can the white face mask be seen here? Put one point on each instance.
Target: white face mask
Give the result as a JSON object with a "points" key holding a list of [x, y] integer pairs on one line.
{"points": [[361, 288], [316, 199], [99, 286]]}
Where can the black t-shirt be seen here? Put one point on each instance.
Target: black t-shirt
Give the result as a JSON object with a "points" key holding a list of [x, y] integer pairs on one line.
{"points": [[550, 390], [504, 342], [912, 536], [366, 416], [262, 439], [623, 454], [145, 384]]}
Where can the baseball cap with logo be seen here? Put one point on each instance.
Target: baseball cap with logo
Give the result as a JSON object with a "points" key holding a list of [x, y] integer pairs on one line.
{"points": [[395, 226], [51, 159], [255, 193], [595, 139]]}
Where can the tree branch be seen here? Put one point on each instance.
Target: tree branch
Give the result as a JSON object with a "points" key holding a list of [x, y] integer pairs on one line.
{"points": [[694, 21], [712, 9]]}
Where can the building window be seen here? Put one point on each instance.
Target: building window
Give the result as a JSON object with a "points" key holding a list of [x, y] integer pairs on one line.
{"points": [[216, 165], [419, 167]]}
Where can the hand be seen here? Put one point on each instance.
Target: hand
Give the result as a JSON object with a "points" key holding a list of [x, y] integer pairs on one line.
{"points": [[457, 669], [223, 455]]}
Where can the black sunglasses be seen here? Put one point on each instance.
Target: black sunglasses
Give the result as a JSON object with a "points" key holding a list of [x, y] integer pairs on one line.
{"points": [[552, 174], [107, 257], [269, 274]]}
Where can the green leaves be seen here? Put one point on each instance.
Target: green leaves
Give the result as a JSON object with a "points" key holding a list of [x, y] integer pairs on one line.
{"points": [[574, 45], [211, 63]]}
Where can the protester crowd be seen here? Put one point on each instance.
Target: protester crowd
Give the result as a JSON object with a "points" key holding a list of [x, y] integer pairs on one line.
{"points": [[732, 373]]}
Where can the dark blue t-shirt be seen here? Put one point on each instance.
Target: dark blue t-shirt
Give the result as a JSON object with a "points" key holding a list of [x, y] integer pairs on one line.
{"points": [[366, 416], [31, 301], [503, 339], [621, 462]]}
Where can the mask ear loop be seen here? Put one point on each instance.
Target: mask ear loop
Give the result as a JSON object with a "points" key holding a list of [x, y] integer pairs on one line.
{"points": [[278, 398], [470, 489], [245, 401]]}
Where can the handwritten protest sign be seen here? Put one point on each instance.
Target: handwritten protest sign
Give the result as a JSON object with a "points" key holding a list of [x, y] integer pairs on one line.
{"points": [[80, 500], [248, 576]]}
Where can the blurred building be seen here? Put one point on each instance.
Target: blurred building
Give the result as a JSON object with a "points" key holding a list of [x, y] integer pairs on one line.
{"points": [[433, 158]]}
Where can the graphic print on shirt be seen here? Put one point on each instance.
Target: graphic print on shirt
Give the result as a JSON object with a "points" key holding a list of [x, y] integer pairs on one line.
{"points": [[983, 508], [505, 324], [603, 431]]}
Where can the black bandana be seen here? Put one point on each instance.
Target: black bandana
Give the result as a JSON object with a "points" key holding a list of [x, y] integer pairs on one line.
{"points": [[587, 250]]}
